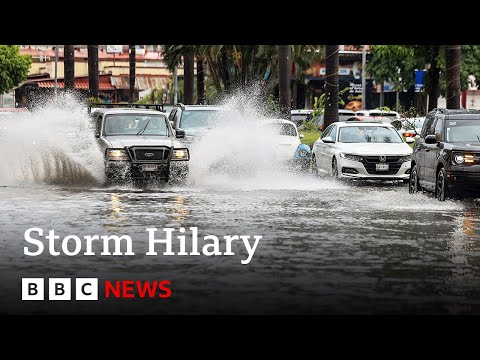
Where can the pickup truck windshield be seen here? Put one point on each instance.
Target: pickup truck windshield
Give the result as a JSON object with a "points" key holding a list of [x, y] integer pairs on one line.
{"points": [[135, 124]]}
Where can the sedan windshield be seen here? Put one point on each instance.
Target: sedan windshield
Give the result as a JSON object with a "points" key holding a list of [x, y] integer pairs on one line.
{"points": [[463, 130], [369, 134], [283, 129], [136, 124]]}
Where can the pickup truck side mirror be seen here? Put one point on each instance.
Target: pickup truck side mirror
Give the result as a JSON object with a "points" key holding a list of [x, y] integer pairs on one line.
{"points": [[180, 134]]}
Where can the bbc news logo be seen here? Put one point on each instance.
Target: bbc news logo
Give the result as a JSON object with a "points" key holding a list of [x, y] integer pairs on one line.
{"points": [[87, 289]]}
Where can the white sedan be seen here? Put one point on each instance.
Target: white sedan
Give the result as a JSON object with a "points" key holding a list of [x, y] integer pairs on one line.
{"points": [[362, 150]]}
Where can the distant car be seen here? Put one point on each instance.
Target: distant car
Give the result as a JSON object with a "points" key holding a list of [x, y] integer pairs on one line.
{"points": [[362, 150], [378, 112], [288, 146], [343, 115], [195, 120], [297, 116], [412, 127], [140, 144], [446, 157]]}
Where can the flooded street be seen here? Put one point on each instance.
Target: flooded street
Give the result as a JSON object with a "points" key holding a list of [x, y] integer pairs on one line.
{"points": [[327, 248]]}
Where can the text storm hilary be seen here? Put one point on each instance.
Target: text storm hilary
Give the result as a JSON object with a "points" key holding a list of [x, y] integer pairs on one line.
{"points": [[160, 242]]}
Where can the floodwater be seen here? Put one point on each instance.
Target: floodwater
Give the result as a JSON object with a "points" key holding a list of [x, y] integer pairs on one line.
{"points": [[327, 247]]}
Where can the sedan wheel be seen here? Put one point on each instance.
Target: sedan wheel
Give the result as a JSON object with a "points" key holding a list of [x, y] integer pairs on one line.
{"points": [[334, 168], [441, 187], [413, 183]]}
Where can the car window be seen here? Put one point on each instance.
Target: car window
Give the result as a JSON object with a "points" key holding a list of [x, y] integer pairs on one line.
{"points": [[176, 119], [172, 115], [135, 124], [327, 131], [283, 129], [426, 125], [199, 118], [333, 133], [360, 113], [439, 129]]}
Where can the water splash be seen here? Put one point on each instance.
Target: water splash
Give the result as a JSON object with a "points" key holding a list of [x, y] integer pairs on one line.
{"points": [[53, 144]]}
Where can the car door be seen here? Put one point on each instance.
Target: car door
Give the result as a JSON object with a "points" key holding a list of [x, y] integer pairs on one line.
{"points": [[432, 151], [328, 151], [420, 148], [319, 147]]}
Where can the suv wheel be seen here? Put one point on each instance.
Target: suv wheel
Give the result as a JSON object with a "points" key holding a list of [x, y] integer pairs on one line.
{"points": [[413, 183], [441, 186]]}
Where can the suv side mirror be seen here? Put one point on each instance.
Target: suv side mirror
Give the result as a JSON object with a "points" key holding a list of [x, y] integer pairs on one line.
{"points": [[180, 134], [431, 139], [328, 140]]}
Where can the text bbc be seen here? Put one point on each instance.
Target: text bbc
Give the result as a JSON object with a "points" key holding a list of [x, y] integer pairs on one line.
{"points": [[87, 289]]}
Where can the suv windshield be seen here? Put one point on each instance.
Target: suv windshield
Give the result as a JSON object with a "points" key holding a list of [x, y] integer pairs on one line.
{"points": [[463, 130], [367, 134], [194, 119], [135, 124]]}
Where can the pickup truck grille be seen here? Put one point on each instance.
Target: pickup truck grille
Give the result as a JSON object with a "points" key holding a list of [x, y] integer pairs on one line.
{"points": [[150, 154]]}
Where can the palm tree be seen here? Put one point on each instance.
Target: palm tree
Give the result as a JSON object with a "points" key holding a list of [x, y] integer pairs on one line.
{"points": [[433, 76], [200, 81], [93, 70], [284, 71], [453, 56], [188, 77], [69, 66], [331, 85], [132, 59]]}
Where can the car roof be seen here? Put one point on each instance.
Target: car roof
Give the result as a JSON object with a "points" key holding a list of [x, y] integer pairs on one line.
{"points": [[280, 121], [204, 107], [128, 110], [301, 111], [363, 123]]}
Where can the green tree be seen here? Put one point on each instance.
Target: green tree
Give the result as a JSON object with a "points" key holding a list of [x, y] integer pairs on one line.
{"points": [[13, 67], [392, 63]]}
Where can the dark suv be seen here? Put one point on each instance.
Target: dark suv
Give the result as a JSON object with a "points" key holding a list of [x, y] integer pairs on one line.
{"points": [[446, 158]]}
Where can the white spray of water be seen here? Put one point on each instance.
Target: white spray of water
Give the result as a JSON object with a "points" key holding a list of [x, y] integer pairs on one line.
{"points": [[53, 144]]}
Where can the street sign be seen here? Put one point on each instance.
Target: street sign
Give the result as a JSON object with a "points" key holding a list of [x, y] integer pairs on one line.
{"points": [[419, 80], [114, 49]]}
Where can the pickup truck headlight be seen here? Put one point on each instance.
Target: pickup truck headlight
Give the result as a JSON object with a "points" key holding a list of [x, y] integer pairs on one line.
{"points": [[180, 155], [116, 155], [351, 157]]}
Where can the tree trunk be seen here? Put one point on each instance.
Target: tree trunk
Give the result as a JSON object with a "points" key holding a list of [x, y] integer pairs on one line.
{"points": [[213, 73], [93, 70], [244, 69], [188, 78], [132, 60], [295, 95], [331, 85], [69, 66], [200, 81], [382, 94], [434, 77], [284, 69], [224, 71], [453, 55]]}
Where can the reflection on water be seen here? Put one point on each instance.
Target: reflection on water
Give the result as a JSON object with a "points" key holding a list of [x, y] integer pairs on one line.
{"points": [[328, 248]]}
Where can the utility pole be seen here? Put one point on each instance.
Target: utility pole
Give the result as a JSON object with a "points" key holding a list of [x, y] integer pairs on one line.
{"points": [[364, 82]]}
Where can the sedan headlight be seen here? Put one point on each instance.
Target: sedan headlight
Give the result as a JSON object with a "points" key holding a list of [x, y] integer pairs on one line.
{"points": [[406, 158], [116, 155], [180, 155], [351, 157]]}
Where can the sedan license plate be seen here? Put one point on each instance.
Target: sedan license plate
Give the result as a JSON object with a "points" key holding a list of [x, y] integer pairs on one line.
{"points": [[382, 167], [149, 167]]}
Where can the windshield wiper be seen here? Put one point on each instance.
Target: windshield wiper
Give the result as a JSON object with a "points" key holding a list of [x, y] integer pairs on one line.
{"points": [[141, 131]]}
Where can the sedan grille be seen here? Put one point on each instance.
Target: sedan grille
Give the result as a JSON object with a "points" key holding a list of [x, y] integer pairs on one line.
{"points": [[370, 164]]}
